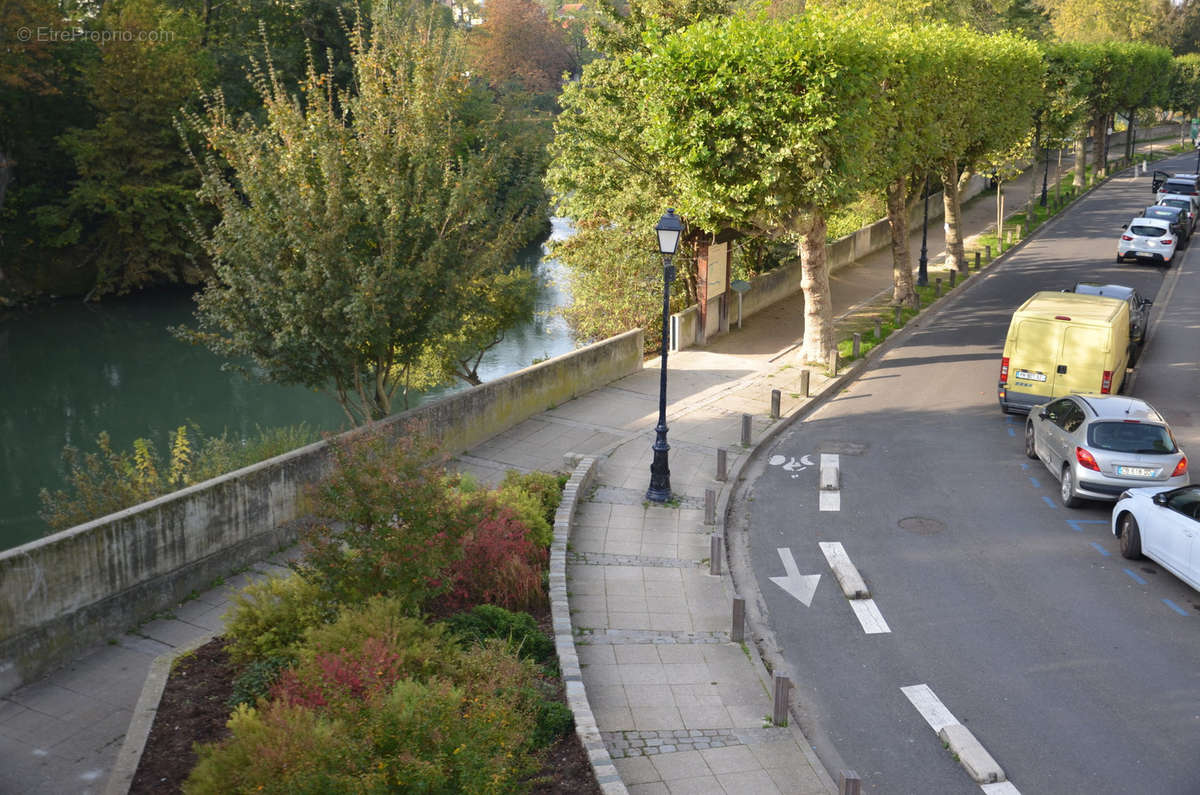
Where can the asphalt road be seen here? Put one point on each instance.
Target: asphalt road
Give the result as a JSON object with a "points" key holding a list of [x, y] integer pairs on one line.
{"points": [[1077, 670]]}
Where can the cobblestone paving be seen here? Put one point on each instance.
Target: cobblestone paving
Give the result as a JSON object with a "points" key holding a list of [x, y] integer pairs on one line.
{"points": [[647, 636], [604, 559], [615, 495], [649, 743]]}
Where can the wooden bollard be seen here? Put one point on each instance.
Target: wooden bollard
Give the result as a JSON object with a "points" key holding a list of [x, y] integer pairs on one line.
{"points": [[849, 783], [804, 375], [776, 396], [834, 363], [899, 316], [722, 473], [779, 712], [878, 329], [746, 430], [856, 345], [976, 260], [937, 287], [953, 276], [988, 251], [710, 506], [737, 632], [714, 554]]}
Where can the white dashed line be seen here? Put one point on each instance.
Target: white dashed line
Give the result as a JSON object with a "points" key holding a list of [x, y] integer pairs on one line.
{"points": [[869, 616], [830, 495]]}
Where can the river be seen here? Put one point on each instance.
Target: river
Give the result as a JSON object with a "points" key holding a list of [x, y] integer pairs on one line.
{"points": [[71, 370]]}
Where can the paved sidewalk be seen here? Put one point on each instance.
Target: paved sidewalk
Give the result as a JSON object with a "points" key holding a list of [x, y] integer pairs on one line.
{"points": [[680, 707]]}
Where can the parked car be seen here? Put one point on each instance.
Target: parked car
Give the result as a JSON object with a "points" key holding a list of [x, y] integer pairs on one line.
{"points": [[1183, 184], [1162, 525], [1189, 204], [1139, 307], [1100, 445], [1181, 224], [1147, 239]]}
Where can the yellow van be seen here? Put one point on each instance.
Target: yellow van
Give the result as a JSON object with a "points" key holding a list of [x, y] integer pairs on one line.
{"points": [[1063, 343]]}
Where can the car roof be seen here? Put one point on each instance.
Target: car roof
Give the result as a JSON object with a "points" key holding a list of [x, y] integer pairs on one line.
{"points": [[1120, 407], [1109, 290], [1157, 223]]}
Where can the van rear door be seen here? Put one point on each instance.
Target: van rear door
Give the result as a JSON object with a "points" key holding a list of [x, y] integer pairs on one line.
{"points": [[1082, 359], [1034, 355]]}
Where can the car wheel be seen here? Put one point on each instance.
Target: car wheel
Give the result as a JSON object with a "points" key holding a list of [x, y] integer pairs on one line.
{"points": [[1030, 448], [1120, 259], [1067, 489], [1131, 537]]}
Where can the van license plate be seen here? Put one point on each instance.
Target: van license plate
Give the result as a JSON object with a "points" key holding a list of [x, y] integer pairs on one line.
{"points": [[1025, 375], [1135, 472]]}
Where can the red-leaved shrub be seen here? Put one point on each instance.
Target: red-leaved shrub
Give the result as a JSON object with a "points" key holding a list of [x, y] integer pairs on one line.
{"points": [[500, 564]]}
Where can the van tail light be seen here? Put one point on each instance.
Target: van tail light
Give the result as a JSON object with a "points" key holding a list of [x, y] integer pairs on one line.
{"points": [[1004, 370], [1086, 459], [1106, 383], [1181, 467]]}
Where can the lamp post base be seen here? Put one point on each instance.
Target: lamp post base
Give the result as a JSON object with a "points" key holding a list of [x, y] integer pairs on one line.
{"points": [[660, 471]]}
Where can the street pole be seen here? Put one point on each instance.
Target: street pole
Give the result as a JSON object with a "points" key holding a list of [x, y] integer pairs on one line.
{"points": [[1045, 175], [923, 262], [669, 228]]}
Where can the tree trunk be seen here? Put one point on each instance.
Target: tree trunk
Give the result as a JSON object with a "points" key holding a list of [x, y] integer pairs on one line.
{"points": [[1100, 146], [953, 224], [1080, 159], [1034, 185], [1131, 137], [6, 169], [902, 272], [814, 282]]}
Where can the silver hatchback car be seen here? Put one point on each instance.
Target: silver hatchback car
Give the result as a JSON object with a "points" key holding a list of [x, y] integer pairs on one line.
{"points": [[1100, 445]]}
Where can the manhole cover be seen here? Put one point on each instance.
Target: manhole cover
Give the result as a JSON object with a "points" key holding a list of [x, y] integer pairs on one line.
{"points": [[922, 526]]}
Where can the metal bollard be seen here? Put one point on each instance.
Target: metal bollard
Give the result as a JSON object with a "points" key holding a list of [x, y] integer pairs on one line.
{"points": [[804, 375], [849, 783], [988, 251], [857, 345], [976, 260], [745, 430], [878, 329], [953, 276], [779, 714], [937, 287], [714, 554], [722, 473], [775, 398], [836, 362], [899, 318], [710, 506], [737, 632]]}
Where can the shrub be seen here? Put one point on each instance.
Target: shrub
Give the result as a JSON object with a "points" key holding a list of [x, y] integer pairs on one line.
{"points": [[554, 719], [256, 681], [499, 563], [389, 524], [423, 648], [528, 510], [543, 485], [269, 618], [519, 630]]}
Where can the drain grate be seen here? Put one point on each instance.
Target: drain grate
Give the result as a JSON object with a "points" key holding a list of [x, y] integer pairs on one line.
{"points": [[922, 525]]}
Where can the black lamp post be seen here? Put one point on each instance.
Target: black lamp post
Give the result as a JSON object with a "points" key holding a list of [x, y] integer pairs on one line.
{"points": [[669, 229], [923, 262]]}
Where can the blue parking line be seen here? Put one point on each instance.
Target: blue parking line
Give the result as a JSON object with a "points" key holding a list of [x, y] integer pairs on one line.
{"points": [[1024, 465], [1075, 523], [1175, 607], [1012, 432], [1049, 501], [1101, 550], [1136, 578], [1035, 483]]}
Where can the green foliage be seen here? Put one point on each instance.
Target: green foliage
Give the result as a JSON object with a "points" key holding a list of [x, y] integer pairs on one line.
{"points": [[518, 630], [351, 220], [389, 523], [256, 680], [420, 648], [534, 498], [269, 619], [106, 480], [554, 719]]}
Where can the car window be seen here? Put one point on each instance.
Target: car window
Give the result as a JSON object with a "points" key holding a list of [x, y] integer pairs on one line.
{"points": [[1185, 188], [1057, 410], [1180, 203], [1147, 231], [1073, 419], [1131, 437], [1186, 502]]}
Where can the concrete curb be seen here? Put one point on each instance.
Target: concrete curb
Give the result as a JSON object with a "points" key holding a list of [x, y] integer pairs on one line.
{"points": [[130, 756], [564, 638]]}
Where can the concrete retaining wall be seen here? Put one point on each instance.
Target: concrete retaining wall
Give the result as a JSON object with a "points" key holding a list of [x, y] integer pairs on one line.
{"points": [[66, 592]]}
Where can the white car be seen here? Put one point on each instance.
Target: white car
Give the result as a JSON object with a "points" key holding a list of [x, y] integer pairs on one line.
{"points": [[1189, 204], [1148, 239], [1163, 526]]}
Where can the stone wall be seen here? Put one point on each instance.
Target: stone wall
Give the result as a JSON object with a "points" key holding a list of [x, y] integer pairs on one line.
{"points": [[66, 592]]}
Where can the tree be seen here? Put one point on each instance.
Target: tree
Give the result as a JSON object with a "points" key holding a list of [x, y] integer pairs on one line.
{"points": [[1097, 21], [519, 43], [769, 126], [350, 220]]}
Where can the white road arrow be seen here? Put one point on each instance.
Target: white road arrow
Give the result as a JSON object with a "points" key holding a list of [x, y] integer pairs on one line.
{"points": [[800, 586]]}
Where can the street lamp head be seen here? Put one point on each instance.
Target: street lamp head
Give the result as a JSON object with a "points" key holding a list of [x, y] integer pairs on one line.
{"points": [[669, 228]]}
